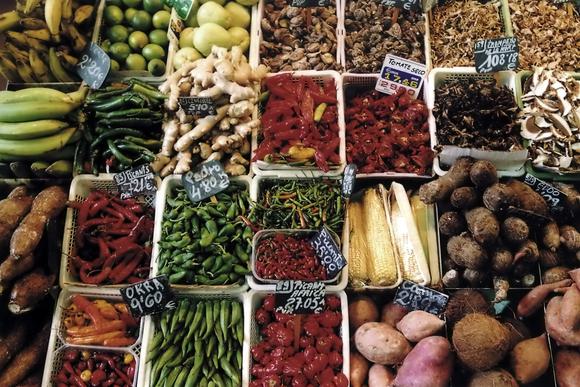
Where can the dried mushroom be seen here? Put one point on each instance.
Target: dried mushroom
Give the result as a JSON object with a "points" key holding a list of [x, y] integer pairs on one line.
{"points": [[476, 113], [550, 120], [374, 30], [547, 33], [456, 25], [299, 38]]}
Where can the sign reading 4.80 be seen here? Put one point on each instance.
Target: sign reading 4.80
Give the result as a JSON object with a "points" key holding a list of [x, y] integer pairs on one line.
{"points": [[94, 66], [398, 72], [206, 180]]}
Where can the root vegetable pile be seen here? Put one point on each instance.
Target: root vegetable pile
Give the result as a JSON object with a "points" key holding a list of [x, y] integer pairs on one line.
{"points": [[387, 133], [98, 369], [300, 123]]}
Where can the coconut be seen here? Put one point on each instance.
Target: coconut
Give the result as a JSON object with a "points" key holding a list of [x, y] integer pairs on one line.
{"points": [[464, 302], [518, 331], [480, 341], [494, 378]]}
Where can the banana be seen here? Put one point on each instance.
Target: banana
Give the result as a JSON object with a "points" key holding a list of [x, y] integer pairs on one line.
{"points": [[36, 94], [30, 5], [67, 9], [71, 60], [37, 146], [17, 54], [60, 168], [37, 45], [56, 68], [38, 168], [31, 23], [9, 74], [8, 20], [25, 72], [67, 152], [30, 129], [43, 34], [17, 38], [79, 41], [83, 13], [38, 66], [78, 97], [8, 64], [32, 111], [53, 15]]}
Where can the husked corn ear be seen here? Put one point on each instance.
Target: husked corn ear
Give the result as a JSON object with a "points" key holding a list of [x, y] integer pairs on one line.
{"points": [[358, 249], [382, 261], [404, 245], [420, 214]]}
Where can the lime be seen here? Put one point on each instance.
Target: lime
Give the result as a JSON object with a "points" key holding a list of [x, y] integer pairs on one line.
{"points": [[135, 62], [117, 33], [161, 20], [120, 51], [156, 67], [141, 21], [113, 15], [114, 2], [129, 13], [132, 3], [138, 40], [153, 51], [159, 37], [106, 45], [115, 65], [152, 6]]}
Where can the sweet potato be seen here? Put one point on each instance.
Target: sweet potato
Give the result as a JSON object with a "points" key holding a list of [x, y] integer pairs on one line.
{"points": [[12, 343], [483, 225], [392, 313], [567, 367], [430, 363], [380, 343], [466, 252], [359, 369], [362, 310], [530, 359], [499, 197], [451, 223], [12, 268], [527, 252], [418, 324], [440, 189], [483, 174], [551, 236], [554, 326], [493, 378], [532, 301], [32, 380], [528, 199], [380, 376], [514, 230], [575, 275], [464, 198], [570, 312], [12, 210], [29, 291]]}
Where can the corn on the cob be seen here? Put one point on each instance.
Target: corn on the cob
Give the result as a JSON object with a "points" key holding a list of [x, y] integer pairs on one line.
{"points": [[358, 249], [424, 219], [404, 245]]}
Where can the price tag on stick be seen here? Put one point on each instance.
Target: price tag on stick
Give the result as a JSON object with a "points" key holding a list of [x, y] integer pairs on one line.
{"points": [[348, 180], [416, 297], [135, 182], [328, 252], [93, 66], [197, 106], [206, 180], [496, 54], [149, 297], [300, 297], [398, 72], [310, 3], [407, 5]]}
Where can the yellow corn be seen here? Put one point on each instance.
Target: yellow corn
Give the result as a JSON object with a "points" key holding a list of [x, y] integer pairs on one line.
{"points": [[358, 250], [405, 252]]}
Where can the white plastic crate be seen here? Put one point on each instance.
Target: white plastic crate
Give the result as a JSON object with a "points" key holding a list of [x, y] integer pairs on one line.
{"points": [[262, 168], [507, 163], [81, 186], [369, 81], [167, 186], [144, 375], [252, 333]]}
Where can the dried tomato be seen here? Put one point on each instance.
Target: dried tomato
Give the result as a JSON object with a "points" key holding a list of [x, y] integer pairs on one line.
{"points": [[323, 344]]}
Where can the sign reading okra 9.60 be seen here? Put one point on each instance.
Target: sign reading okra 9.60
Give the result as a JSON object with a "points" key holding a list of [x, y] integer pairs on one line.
{"points": [[399, 73], [206, 180], [149, 297]]}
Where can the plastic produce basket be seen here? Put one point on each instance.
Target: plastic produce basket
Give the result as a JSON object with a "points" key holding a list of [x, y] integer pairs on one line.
{"points": [[507, 163], [81, 187], [64, 301], [262, 168], [253, 301], [368, 81], [167, 186], [144, 375]]}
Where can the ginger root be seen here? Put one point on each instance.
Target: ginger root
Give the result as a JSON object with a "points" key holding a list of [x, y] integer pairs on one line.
{"points": [[171, 130], [183, 163], [203, 125]]}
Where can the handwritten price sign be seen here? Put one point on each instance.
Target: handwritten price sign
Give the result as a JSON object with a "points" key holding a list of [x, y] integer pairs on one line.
{"points": [[496, 54], [298, 297], [197, 106], [206, 180], [94, 66], [135, 182], [149, 297]]}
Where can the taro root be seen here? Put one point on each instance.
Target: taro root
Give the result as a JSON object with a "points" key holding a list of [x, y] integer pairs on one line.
{"points": [[466, 252], [451, 223], [501, 260], [456, 25], [475, 278], [476, 113], [299, 38], [555, 274], [464, 197], [514, 230], [374, 30], [499, 197], [483, 174]]}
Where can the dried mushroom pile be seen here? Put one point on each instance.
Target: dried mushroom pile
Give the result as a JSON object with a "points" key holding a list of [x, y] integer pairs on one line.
{"points": [[298, 38], [456, 26], [476, 114], [550, 120], [547, 33], [373, 30]]}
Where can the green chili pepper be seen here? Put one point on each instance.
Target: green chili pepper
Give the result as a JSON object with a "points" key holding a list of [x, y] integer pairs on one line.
{"points": [[118, 154]]}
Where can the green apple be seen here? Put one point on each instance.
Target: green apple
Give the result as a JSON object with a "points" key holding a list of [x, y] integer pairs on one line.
{"points": [[211, 12], [240, 14], [211, 34]]}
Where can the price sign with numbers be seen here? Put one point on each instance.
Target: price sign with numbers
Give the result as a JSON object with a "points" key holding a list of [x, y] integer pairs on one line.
{"points": [[408, 5], [183, 8], [136, 181], [328, 252], [197, 106], [416, 297], [398, 72], [496, 54], [93, 66], [348, 180], [206, 180], [552, 195], [149, 297], [299, 297], [310, 3]]}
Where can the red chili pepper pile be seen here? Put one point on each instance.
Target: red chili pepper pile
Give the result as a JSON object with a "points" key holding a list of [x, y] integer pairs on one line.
{"points": [[298, 350], [388, 133], [112, 239], [96, 369], [300, 122], [290, 258]]}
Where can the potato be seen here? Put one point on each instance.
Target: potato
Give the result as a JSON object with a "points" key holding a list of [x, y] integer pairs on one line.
{"points": [[380, 376], [530, 359], [493, 378], [567, 367], [554, 326], [362, 310], [483, 174], [466, 252], [430, 363], [483, 225], [392, 313], [359, 369], [418, 324], [381, 343]]}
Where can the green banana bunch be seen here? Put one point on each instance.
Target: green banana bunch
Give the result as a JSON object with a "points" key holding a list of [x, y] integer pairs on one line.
{"points": [[56, 68]]}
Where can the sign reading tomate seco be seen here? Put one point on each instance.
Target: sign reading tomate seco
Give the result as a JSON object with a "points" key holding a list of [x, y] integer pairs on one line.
{"points": [[398, 72]]}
